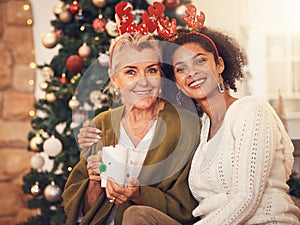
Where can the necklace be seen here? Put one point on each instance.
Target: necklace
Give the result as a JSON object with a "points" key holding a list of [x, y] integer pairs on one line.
{"points": [[137, 129]]}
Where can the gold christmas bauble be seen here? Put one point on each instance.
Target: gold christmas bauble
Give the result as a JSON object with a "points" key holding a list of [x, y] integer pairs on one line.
{"points": [[49, 40], [47, 72], [43, 85], [61, 6], [65, 16], [99, 3], [50, 97], [74, 103], [34, 142], [35, 190]]}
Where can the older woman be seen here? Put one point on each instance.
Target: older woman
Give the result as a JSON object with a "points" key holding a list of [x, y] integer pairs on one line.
{"points": [[161, 140]]}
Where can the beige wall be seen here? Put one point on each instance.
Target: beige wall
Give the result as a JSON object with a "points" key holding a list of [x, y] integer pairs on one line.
{"points": [[16, 100]]}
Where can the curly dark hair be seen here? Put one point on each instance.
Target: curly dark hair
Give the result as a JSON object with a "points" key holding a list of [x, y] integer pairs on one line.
{"points": [[228, 48]]}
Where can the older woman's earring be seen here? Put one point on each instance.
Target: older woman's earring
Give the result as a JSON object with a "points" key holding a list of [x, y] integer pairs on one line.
{"points": [[178, 99], [117, 96], [220, 87]]}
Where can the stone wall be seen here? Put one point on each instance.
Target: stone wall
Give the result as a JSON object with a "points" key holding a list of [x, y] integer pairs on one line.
{"points": [[16, 100]]}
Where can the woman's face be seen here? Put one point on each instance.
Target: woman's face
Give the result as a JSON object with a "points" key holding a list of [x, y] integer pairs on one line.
{"points": [[196, 72], [138, 78]]}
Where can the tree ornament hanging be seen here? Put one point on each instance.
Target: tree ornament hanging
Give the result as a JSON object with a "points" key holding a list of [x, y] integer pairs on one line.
{"points": [[74, 63], [35, 189], [180, 10], [52, 192], [171, 4], [111, 28], [84, 51], [80, 18], [63, 79], [52, 146], [49, 39], [60, 127], [37, 161], [103, 59], [99, 25], [50, 97], [43, 85], [61, 6], [99, 3], [47, 72], [35, 142], [65, 16], [74, 7], [74, 103], [94, 96]]}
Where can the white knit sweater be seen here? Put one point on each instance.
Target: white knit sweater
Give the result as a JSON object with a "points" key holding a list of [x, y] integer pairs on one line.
{"points": [[244, 182]]}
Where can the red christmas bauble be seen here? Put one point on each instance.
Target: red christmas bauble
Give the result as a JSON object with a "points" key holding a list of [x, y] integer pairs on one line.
{"points": [[74, 63], [63, 79], [171, 4], [74, 7], [99, 25]]}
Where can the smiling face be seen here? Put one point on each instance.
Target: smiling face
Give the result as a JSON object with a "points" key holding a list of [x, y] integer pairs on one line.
{"points": [[196, 72], [138, 77]]}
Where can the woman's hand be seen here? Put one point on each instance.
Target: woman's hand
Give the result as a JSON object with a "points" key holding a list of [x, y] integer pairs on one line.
{"points": [[93, 163], [88, 136], [119, 194]]}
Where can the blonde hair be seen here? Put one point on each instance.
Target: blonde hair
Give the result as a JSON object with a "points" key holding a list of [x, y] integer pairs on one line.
{"points": [[137, 41]]}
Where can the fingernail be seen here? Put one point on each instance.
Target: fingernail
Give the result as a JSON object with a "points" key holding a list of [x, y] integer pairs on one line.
{"points": [[98, 137], [98, 131]]}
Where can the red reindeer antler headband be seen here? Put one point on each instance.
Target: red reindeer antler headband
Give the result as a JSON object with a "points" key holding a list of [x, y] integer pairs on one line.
{"points": [[154, 20]]}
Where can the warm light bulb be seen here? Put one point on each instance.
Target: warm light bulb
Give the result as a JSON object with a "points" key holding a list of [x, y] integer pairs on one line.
{"points": [[31, 82], [31, 113], [82, 28], [32, 65], [29, 22], [26, 7]]}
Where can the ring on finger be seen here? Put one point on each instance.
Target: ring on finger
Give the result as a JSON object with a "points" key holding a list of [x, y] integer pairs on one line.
{"points": [[112, 200]]}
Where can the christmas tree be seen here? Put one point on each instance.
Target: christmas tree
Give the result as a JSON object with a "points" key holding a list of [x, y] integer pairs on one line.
{"points": [[76, 86]]}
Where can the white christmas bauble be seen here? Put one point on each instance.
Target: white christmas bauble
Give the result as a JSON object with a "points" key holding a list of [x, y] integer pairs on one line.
{"points": [[34, 142], [103, 59], [52, 146], [180, 10], [94, 96], [49, 163], [84, 51], [52, 192], [60, 127], [111, 29], [37, 161]]}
